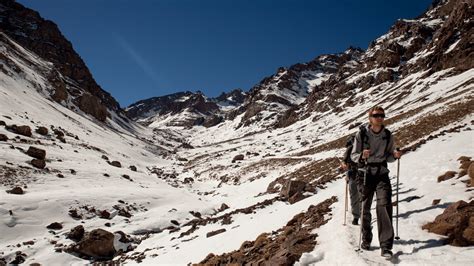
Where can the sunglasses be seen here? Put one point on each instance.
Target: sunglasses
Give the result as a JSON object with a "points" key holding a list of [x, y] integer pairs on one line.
{"points": [[378, 115]]}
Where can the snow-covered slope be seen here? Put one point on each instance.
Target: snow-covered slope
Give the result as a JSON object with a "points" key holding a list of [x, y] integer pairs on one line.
{"points": [[224, 189]]}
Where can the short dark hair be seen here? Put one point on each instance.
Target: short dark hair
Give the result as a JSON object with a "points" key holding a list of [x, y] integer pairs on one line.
{"points": [[376, 108]]}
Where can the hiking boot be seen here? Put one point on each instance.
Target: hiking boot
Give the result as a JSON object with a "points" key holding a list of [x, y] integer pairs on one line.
{"points": [[365, 246], [387, 253], [355, 221]]}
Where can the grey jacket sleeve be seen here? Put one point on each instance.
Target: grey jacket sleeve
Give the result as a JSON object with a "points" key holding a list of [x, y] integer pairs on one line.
{"points": [[357, 148], [390, 150]]}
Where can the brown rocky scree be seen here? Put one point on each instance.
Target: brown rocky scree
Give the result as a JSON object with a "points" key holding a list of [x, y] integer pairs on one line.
{"points": [[282, 247]]}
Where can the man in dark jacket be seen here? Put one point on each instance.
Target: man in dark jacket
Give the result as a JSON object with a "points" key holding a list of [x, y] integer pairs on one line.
{"points": [[373, 149], [351, 178]]}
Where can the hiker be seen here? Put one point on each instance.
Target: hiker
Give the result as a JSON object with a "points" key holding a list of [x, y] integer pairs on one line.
{"points": [[351, 178], [373, 149]]}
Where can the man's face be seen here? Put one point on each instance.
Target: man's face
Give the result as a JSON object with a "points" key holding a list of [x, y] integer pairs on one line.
{"points": [[377, 118]]}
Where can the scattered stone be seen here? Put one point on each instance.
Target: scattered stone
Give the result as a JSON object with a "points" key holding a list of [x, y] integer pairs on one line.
{"points": [[116, 164], [40, 164], [73, 213], [72, 171], [58, 133], [104, 214], [23, 130], [98, 244], [182, 159], [133, 168], [196, 214], [60, 175], [36, 153], [448, 175], [106, 175], [292, 187], [239, 157], [123, 212], [188, 180], [30, 243], [108, 224], [216, 232], [223, 207], [55, 226], [456, 222], [42, 131], [105, 157], [436, 202], [3, 137], [2, 123], [127, 177], [20, 257], [76, 234], [16, 190]]}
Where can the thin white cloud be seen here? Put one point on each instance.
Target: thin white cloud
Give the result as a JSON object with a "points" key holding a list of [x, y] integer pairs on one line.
{"points": [[137, 58]]}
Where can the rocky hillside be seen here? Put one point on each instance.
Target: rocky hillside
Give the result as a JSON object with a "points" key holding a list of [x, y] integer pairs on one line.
{"points": [[439, 40], [70, 78]]}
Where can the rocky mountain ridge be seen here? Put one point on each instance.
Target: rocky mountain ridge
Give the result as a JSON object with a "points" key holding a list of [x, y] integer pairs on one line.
{"points": [[199, 109], [70, 79]]}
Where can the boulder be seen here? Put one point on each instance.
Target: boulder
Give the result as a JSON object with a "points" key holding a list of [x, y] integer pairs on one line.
{"points": [[55, 226], [116, 164], [223, 207], [40, 164], [3, 137], [239, 157], [76, 234], [292, 187], [98, 244], [42, 131], [456, 222], [23, 130], [446, 176], [16, 191], [36, 153]]}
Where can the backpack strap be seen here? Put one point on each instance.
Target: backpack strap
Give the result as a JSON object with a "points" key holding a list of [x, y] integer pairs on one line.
{"points": [[363, 137], [388, 136]]}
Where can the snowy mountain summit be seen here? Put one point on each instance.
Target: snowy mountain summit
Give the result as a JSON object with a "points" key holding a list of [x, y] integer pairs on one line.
{"points": [[243, 178]]}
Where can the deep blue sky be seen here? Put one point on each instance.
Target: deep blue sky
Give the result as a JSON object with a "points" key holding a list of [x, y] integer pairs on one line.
{"points": [[140, 49]]}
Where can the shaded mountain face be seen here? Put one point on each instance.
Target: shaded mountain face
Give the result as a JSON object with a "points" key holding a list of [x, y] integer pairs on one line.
{"points": [[71, 78], [185, 109]]}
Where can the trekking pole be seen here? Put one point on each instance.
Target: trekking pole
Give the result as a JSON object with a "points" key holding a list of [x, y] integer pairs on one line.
{"points": [[362, 207], [398, 175], [346, 207]]}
